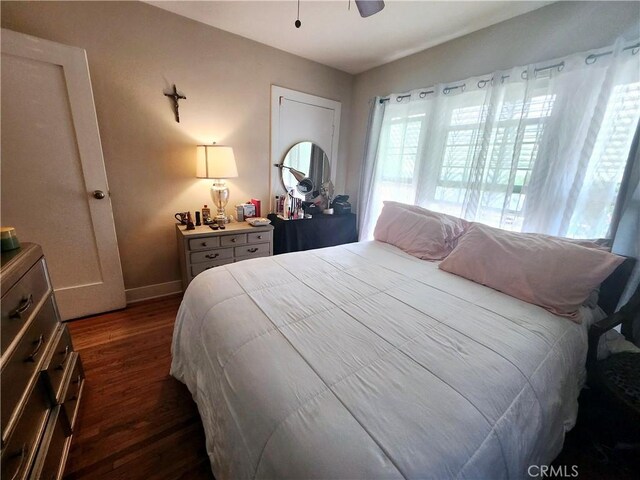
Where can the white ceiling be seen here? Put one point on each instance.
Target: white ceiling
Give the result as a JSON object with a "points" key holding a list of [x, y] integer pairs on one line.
{"points": [[335, 36]]}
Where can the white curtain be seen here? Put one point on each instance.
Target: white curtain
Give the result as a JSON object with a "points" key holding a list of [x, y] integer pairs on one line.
{"points": [[540, 148]]}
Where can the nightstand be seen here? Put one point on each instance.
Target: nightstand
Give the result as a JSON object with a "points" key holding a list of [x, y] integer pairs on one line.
{"points": [[204, 248]]}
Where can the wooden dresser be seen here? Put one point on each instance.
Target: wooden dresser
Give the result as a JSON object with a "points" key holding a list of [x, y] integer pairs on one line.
{"points": [[42, 377], [203, 248]]}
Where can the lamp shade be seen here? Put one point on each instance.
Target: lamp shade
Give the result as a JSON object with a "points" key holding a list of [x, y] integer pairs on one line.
{"points": [[215, 161]]}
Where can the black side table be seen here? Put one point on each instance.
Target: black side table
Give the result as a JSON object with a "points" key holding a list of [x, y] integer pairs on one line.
{"points": [[317, 232]]}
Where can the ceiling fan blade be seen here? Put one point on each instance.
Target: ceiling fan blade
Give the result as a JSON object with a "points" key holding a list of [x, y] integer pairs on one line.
{"points": [[369, 7]]}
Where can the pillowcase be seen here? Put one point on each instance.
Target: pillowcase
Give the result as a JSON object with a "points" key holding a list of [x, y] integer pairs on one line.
{"points": [[418, 235], [552, 273], [454, 227]]}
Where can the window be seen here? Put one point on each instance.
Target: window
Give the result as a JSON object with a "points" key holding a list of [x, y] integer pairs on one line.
{"points": [[402, 149], [545, 155], [504, 176]]}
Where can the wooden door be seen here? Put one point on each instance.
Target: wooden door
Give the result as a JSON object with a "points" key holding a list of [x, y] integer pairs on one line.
{"points": [[298, 117], [54, 185]]}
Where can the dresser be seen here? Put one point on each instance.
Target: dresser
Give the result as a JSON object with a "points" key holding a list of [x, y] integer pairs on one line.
{"points": [[309, 233], [41, 375], [204, 248]]}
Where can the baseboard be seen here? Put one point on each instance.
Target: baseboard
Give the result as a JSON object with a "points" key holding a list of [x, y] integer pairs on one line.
{"points": [[153, 291]]}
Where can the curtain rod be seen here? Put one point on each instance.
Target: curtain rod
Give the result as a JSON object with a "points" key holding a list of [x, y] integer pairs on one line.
{"points": [[589, 60]]}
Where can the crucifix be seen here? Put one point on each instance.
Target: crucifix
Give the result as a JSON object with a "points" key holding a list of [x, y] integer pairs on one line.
{"points": [[176, 96]]}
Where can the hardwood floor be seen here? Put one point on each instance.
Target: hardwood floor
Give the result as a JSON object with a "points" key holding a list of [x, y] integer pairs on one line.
{"points": [[135, 421]]}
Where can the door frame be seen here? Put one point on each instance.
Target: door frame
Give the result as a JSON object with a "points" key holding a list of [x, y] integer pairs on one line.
{"points": [[75, 67], [277, 94]]}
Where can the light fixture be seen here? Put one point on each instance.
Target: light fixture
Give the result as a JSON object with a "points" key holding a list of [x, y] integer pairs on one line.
{"points": [[365, 7], [305, 184], [217, 162], [369, 7]]}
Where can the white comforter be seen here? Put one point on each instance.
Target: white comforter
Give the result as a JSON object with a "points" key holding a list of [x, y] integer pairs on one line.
{"points": [[361, 361]]}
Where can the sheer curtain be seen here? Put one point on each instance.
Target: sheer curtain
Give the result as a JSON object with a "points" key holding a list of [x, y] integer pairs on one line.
{"points": [[540, 148]]}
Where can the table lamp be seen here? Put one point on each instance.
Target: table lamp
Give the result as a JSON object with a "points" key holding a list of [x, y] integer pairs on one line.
{"points": [[218, 163]]}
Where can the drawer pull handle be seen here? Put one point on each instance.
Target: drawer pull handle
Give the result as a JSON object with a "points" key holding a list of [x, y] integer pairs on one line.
{"points": [[204, 244], [212, 255], [67, 350], [259, 237], [252, 250], [78, 382], [40, 342], [25, 303], [23, 457], [233, 240]]}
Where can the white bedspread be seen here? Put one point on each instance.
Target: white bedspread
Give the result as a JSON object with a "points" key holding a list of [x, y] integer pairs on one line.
{"points": [[361, 361]]}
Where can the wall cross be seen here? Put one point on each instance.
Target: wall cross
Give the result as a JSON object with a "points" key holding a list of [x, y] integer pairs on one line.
{"points": [[176, 97]]}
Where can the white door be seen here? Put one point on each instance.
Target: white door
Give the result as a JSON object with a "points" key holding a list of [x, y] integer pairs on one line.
{"points": [[53, 172], [299, 117]]}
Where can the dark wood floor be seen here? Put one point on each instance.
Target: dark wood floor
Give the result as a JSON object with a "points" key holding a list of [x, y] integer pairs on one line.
{"points": [[135, 421]]}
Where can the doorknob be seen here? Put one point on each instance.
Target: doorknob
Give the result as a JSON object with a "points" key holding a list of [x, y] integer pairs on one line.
{"points": [[98, 194]]}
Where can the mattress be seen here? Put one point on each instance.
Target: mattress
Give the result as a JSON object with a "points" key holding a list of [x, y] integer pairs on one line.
{"points": [[361, 361]]}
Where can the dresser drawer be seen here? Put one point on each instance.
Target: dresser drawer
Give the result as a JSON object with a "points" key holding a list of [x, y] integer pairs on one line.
{"points": [[228, 240], [20, 448], [72, 392], [211, 255], [201, 267], [258, 237], [53, 450], [203, 243], [258, 250], [25, 360], [20, 302], [55, 366]]}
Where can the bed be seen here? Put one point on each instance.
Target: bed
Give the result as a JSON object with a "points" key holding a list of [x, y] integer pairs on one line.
{"points": [[361, 361]]}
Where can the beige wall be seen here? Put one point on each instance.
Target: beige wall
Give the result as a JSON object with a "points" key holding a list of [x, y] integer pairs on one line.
{"points": [[552, 31], [135, 52]]}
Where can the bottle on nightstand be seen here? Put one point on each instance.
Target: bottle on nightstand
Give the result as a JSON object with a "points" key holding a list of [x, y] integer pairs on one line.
{"points": [[206, 215]]}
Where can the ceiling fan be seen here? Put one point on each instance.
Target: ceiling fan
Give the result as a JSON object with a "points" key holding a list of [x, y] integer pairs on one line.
{"points": [[365, 7], [369, 7]]}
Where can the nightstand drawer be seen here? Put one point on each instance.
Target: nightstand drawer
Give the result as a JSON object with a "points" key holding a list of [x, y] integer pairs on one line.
{"points": [[25, 360], [56, 365], [258, 250], [204, 243], [229, 240], [258, 237], [211, 255], [201, 267], [20, 449], [19, 302]]}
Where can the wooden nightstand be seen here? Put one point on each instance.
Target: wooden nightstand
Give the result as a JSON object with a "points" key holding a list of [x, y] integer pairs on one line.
{"points": [[203, 248]]}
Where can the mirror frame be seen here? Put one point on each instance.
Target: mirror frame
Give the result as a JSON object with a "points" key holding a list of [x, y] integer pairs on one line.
{"points": [[281, 169]]}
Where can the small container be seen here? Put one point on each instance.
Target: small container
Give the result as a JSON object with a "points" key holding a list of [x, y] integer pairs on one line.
{"points": [[9, 239], [240, 212], [256, 203], [249, 210], [206, 214]]}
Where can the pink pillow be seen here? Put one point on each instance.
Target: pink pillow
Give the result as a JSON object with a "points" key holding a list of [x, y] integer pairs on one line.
{"points": [[453, 226], [546, 271], [418, 235]]}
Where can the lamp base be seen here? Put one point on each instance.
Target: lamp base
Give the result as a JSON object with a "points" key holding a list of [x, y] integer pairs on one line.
{"points": [[220, 197]]}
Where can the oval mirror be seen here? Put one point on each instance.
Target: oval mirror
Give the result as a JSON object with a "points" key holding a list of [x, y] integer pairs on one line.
{"points": [[305, 169]]}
